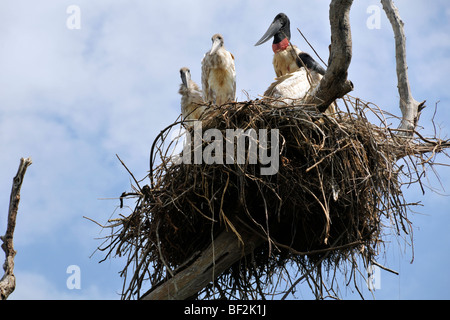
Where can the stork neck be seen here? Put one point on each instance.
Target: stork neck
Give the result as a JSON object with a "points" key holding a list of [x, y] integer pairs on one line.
{"points": [[280, 46]]}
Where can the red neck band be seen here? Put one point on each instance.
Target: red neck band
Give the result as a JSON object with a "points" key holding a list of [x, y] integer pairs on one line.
{"points": [[280, 46]]}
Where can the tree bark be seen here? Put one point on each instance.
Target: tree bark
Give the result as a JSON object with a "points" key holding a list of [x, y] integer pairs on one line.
{"points": [[8, 281], [409, 107], [334, 83], [223, 252]]}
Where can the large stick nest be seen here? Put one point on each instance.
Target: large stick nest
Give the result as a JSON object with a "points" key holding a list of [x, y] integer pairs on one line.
{"points": [[337, 190]]}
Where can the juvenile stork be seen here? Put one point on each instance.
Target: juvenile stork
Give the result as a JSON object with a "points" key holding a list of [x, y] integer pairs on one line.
{"points": [[289, 87], [293, 88], [288, 58], [192, 104], [218, 73]]}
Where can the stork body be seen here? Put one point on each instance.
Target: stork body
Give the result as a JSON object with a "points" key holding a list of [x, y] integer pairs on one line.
{"points": [[289, 87], [218, 73], [192, 104], [292, 88], [283, 61]]}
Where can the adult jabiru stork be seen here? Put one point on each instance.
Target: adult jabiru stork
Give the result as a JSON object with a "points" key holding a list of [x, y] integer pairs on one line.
{"points": [[287, 58], [192, 104], [218, 73], [293, 82]]}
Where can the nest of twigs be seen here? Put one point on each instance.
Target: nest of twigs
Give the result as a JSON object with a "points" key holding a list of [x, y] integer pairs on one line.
{"points": [[336, 190]]}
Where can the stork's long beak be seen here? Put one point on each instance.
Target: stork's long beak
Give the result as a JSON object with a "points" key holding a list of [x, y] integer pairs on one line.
{"points": [[273, 29], [215, 46], [184, 76]]}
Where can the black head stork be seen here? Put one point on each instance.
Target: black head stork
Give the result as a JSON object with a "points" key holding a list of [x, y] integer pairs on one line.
{"points": [[192, 104], [218, 73], [287, 58]]}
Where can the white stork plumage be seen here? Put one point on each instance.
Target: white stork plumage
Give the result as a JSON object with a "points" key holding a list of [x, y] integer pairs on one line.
{"points": [[192, 104], [289, 87], [293, 88], [218, 73]]}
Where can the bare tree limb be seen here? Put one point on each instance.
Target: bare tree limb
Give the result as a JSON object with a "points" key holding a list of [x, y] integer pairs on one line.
{"points": [[8, 281], [334, 83], [224, 251], [408, 105]]}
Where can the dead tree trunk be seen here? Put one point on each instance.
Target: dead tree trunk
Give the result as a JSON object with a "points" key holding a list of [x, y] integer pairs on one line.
{"points": [[408, 105], [334, 84], [8, 281], [223, 252]]}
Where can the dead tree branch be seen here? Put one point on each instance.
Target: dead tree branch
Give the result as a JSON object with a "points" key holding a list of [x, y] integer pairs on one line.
{"points": [[334, 83], [223, 252], [8, 281], [408, 105]]}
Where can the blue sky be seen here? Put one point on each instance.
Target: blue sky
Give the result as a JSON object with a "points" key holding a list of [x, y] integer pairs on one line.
{"points": [[74, 98]]}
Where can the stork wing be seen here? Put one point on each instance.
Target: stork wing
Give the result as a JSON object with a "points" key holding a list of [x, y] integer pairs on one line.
{"points": [[234, 76], [206, 68], [310, 63]]}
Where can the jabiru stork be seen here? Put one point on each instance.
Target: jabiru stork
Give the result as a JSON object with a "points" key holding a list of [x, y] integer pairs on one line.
{"points": [[218, 73], [192, 104], [293, 82], [287, 58]]}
